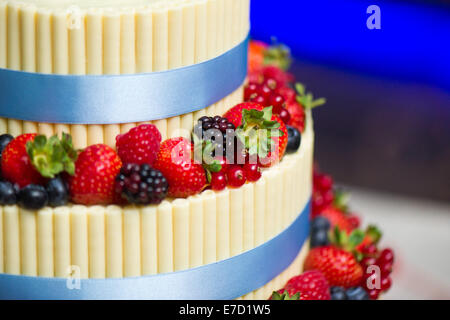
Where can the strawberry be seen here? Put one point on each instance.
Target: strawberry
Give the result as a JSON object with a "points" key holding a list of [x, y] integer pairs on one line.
{"points": [[312, 285], [372, 236], [338, 266], [256, 51], [285, 294], [140, 145], [337, 218], [269, 147], [185, 177], [234, 115], [297, 115], [16, 165], [95, 172]]}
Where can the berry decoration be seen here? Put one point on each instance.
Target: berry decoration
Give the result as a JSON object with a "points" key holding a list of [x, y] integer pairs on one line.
{"points": [[7, 194], [141, 184], [185, 177], [58, 192], [96, 170], [294, 140], [236, 176], [338, 266], [33, 197], [140, 145], [312, 285], [338, 293], [16, 165]]}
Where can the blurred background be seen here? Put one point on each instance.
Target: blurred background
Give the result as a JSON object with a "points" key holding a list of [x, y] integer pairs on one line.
{"points": [[385, 131]]}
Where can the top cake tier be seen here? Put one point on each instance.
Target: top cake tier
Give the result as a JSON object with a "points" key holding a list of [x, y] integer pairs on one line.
{"points": [[117, 36]]}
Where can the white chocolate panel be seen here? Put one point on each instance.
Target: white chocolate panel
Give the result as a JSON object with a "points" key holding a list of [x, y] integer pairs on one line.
{"points": [[178, 234], [113, 38], [101, 37]]}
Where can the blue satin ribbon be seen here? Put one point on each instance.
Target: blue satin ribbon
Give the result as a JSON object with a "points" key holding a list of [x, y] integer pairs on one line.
{"points": [[107, 99], [227, 279]]}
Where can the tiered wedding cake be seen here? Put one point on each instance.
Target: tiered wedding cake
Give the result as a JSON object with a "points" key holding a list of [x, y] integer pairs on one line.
{"points": [[50, 53]]}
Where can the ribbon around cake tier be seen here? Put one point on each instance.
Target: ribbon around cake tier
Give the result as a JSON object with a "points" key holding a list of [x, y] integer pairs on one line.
{"points": [[223, 280], [111, 99]]}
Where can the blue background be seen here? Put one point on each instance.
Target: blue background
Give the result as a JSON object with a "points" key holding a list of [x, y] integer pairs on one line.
{"points": [[412, 45]]}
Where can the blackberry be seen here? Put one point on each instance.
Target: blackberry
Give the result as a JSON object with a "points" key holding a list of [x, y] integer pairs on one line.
{"points": [[224, 128], [141, 184]]}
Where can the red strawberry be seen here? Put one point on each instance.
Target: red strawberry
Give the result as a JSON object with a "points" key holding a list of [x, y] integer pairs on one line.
{"points": [[297, 115], [286, 294], [185, 177], [95, 172], [312, 285], [140, 145], [337, 218], [337, 265], [16, 166], [249, 115]]}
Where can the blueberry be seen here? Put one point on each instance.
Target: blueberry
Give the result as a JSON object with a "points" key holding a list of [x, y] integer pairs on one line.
{"points": [[357, 293], [7, 193], [294, 139], [58, 193], [319, 238], [320, 223], [4, 140], [338, 293], [33, 197]]}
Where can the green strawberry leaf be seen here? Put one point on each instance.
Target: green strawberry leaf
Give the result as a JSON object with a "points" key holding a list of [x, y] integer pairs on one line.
{"points": [[307, 99], [285, 296], [341, 200], [374, 233], [355, 238], [52, 156], [342, 240], [279, 55]]}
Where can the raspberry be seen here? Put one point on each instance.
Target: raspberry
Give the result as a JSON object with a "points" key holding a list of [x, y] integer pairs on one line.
{"points": [[141, 184], [311, 284], [140, 145]]}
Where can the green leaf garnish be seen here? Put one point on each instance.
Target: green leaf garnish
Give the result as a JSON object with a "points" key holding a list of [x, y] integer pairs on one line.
{"points": [[53, 155]]}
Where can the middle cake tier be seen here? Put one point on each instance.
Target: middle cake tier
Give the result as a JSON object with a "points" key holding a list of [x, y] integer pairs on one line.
{"points": [[115, 242]]}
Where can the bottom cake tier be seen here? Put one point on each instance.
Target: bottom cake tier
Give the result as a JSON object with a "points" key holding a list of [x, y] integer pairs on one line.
{"points": [[294, 269]]}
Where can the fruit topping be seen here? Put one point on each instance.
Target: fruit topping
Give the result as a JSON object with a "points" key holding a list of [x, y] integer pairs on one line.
{"points": [[338, 266], [16, 165], [58, 192], [175, 161], [140, 145], [7, 193], [33, 197], [338, 293], [294, 140], [95, 174]]}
